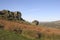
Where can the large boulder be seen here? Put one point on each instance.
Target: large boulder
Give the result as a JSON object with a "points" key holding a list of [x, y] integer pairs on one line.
{"points": [[1, 13], [11, 16], [18, 15], [6, 14], [35, 22]]}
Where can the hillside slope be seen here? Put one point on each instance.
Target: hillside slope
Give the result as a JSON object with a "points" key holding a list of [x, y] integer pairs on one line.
{"points": [[53, 24], [13, 22], [10, 25]]}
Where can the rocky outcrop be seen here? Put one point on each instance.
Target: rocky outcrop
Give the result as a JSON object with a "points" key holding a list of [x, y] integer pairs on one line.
{"points": [[11, 15], [18, 15]]}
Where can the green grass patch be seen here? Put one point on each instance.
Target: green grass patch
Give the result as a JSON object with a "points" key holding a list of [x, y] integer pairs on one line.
{"points": [[6, 35], [10, 35]]}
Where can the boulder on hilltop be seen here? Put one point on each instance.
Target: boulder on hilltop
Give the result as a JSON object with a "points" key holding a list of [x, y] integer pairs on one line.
{"points": [[11, 15]]}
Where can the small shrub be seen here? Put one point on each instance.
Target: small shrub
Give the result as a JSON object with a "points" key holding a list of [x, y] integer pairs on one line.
{"points": [[39, 35], [1, 26], [18, 31]]}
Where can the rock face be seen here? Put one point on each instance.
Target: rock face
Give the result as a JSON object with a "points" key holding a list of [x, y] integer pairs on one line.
{"points": [[18, 15], [11, 15]]}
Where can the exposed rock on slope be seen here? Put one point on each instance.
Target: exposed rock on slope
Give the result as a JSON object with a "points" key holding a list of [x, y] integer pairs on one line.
{"points": [[6, 14], [35, 22]]}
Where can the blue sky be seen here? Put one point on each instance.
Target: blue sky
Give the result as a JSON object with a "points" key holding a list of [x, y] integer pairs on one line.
{"points": [[41, 10]]}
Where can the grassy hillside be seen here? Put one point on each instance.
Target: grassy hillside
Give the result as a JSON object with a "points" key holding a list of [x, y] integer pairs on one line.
{"points": [[9, 35], [29, 32], [14, 27]]}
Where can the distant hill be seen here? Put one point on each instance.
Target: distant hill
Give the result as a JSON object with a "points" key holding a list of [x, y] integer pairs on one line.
{"points": [[53, 24]]}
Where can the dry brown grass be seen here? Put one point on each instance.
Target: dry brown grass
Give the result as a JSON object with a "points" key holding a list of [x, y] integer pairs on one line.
{"points": [[10, 25]]}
